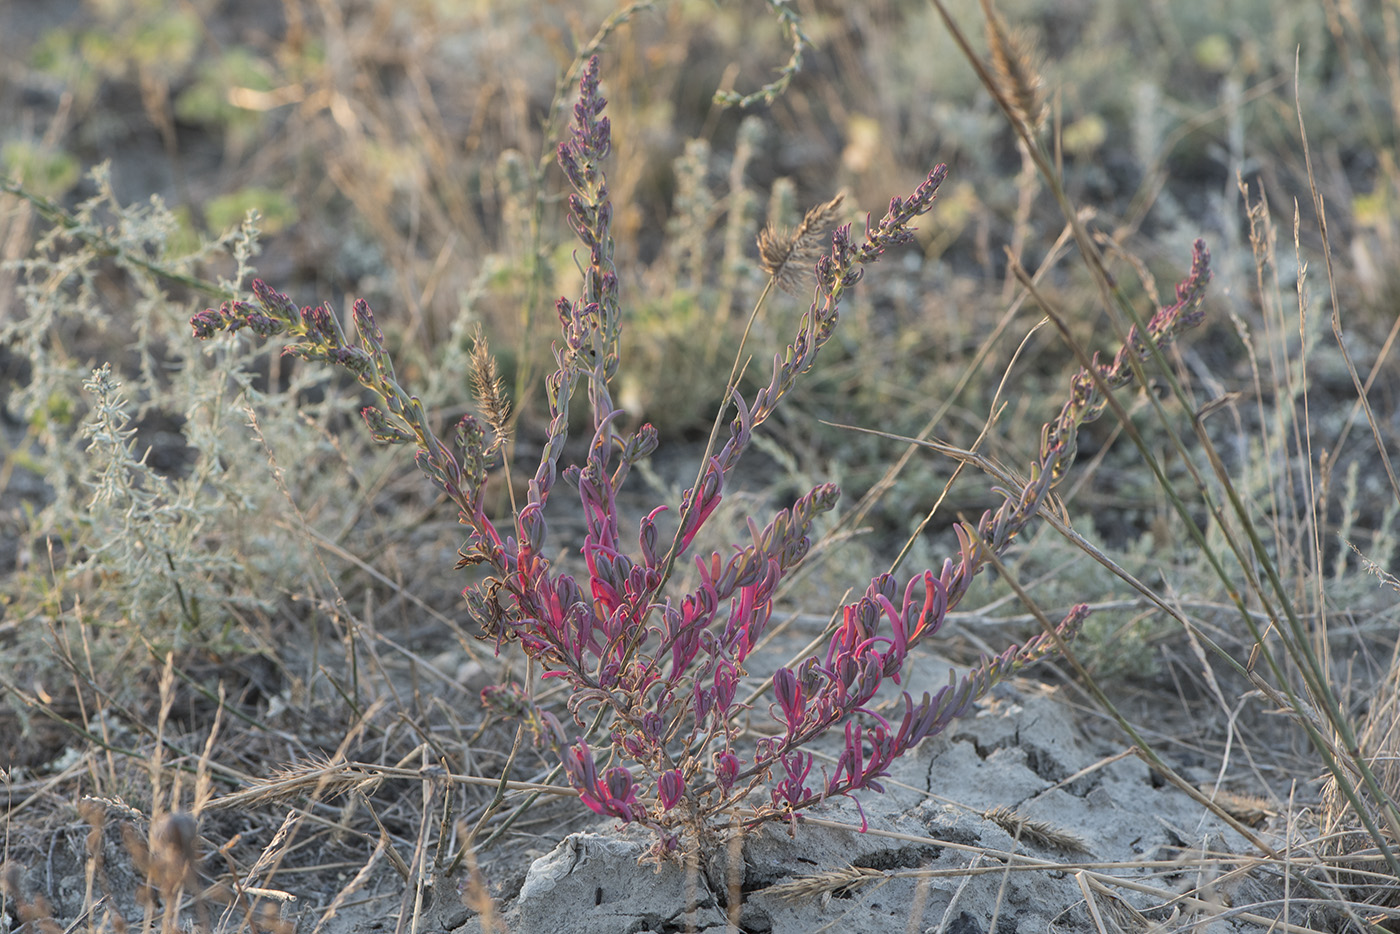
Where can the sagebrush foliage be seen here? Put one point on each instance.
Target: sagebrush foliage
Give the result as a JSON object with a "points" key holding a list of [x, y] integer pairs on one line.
{"points": [[180, 548]]}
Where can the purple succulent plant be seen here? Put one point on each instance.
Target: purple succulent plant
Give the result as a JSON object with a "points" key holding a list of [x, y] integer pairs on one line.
{"points": [[662, 670]]}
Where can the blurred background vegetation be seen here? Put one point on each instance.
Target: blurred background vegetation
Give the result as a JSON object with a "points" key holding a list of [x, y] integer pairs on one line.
{"points": [[403, 152], [218, 502]]}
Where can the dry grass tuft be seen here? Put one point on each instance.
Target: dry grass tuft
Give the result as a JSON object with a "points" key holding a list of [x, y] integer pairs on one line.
{"points": [[786, 255], [1340, 826], [1251, 810]]}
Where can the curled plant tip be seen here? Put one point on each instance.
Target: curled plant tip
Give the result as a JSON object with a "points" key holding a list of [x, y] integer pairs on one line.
{"points": [[1041, 833], [1013, 65], [489, 391], [784, 254], [791, 23], [383, 429]]}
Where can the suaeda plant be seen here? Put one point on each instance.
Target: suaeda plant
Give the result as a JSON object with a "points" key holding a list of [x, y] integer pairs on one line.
{"points": [[654, 675]]}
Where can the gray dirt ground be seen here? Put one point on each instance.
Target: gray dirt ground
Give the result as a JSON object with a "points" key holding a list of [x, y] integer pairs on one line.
{"points": [[1024, 750]]}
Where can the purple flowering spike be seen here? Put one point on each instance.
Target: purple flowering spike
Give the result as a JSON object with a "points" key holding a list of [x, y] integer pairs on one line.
{"points": [[726, 684], [670, 786], [788, 690], [621, 788], [382, 430], [206, 324], [726, 770]]}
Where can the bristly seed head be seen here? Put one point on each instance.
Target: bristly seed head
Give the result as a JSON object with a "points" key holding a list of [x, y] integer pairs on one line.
{"points": [[1013, 63], [489, 391], [784, 254], [1041, 833]]}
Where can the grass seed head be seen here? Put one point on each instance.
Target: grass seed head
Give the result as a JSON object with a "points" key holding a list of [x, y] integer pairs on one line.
{"points": [[784, 254], [1014, 67], [1041, 833], [489, 391]]}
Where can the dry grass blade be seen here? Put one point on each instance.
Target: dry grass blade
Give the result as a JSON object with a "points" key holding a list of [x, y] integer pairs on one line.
{"points": [[478, 897], [1090, 904], [276, 848], [1379, 741], [417, 894], [785, 254], [1111, 912], [1041, 833]]}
